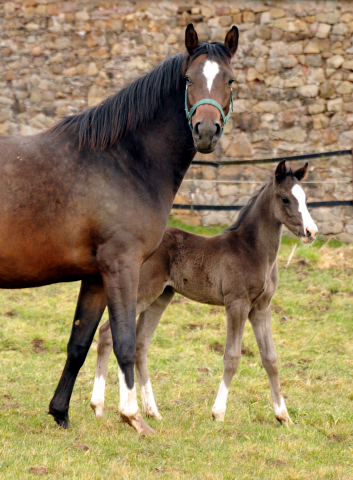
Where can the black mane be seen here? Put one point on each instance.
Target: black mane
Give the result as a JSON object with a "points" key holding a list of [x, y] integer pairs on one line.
{"points": [[136, 104], [244, 211]]}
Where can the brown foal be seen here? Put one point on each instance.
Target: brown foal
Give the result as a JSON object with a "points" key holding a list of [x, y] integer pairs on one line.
{"points": [[237, 269]]}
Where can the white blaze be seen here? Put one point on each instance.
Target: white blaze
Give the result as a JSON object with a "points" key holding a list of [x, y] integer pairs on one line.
{"points": [[210, 71], [308, 222]]}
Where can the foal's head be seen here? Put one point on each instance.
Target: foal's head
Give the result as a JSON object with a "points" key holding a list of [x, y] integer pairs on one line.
{"points": [[290, 205], [209, 80]]}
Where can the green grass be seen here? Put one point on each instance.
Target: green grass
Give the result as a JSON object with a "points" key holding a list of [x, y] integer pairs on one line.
{"points": [[312, 328]]}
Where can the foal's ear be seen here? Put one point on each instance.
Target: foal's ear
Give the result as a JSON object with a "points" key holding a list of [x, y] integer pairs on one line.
{"points": [[232, 38], [301, 172], [191, 39], [281, 171]]}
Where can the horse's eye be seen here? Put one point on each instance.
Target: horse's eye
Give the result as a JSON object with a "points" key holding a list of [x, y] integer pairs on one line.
{"points": [[230, 81], [188, 80], [285, 201]]}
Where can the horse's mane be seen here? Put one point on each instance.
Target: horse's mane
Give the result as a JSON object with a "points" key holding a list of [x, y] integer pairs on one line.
{"points": [[136, 104]]}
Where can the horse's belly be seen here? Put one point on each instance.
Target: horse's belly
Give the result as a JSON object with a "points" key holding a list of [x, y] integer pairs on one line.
{"points": [[43, 264]]}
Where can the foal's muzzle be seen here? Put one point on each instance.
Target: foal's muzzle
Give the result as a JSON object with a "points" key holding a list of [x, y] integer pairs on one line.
{"points": [[310, 234]]}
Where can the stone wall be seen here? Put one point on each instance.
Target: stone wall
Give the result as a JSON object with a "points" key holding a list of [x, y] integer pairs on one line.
{"points": [[293, 93]]}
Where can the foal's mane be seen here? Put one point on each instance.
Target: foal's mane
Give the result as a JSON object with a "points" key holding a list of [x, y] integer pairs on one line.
{"points": [[136, 104], [246, 209]]}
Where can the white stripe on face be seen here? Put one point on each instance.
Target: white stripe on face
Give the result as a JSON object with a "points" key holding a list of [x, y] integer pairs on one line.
{"points": [[308, 222], [210, 71]]}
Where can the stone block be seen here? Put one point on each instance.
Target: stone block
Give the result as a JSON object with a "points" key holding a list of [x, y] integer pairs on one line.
{"points": [[335, 105], [308, 90], [323, 30], [335, 62]]}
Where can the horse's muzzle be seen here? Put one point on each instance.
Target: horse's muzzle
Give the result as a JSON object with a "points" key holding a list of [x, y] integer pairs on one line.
{"points": [[206, 136]]}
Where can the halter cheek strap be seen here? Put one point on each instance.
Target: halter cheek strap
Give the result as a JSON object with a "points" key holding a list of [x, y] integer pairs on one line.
{"points": [[208, 101]]}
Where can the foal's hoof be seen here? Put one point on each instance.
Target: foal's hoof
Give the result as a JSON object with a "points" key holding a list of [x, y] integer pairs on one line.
{"points": [[286, 421], [218, 416], [98, 410], [138, 423]]}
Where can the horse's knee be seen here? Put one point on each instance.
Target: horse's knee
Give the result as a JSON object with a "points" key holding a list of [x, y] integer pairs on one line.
{"points": [[269, 361], [231, 361]]}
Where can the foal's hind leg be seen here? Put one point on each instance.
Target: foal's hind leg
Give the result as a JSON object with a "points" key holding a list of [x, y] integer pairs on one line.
{"points": [[146, 325], [237, 312], [90, 307], [260, 319], [105, 346]]}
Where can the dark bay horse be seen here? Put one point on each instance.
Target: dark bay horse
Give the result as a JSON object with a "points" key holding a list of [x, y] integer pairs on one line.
{"points": [[89, 199], [237, 269]]}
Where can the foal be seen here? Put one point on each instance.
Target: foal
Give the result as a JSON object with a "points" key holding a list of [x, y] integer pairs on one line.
{"points": [[237, 269]]}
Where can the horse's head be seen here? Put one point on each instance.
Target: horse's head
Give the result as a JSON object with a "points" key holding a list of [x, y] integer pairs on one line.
{"points": [[209, 79], [290, 204]]}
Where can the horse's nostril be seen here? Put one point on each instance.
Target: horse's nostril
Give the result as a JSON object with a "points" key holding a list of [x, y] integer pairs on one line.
{"points": [[196, 129], [218, 130], [308, 233]]}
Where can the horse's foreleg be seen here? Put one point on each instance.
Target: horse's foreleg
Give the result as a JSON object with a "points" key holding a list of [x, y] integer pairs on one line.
{"points": [[261, 323], [146, 325], [90, 307], [105, 346], [120, 279], [237, 312]]}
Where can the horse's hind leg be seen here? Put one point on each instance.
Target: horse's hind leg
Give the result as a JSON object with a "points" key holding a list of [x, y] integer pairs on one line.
{"points": [[261, 323], [146, 325], [89, 310], [105, 346], [237, 312]]}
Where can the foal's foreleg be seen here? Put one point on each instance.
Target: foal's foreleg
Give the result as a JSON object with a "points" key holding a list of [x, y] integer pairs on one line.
{"points": [[105, 346], [90, 307], [146, 325], [260, 319], [237, 312]]}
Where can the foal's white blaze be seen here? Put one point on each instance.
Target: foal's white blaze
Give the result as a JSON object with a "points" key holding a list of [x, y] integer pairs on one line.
{"points": [[148, 401], [128, 399], [308, 222], [219, 407], [210, 71]]}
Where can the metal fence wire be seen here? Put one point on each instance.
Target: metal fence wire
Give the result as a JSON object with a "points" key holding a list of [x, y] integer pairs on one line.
{"points": [[309, 156]]}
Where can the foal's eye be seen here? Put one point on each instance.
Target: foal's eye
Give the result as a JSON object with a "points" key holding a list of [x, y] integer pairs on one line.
{"points": [[230, 81], [188, 80], [285, 201]]}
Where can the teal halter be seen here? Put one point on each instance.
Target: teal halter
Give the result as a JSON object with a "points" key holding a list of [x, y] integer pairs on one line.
{"points": [[208, 101]]}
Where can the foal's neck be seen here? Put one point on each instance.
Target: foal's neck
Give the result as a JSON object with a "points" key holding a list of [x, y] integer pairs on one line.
{"points": [[260, 227]]}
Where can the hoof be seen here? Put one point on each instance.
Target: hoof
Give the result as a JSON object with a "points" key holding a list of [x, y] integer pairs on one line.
{"points": [[286, 421], [98, 410], [62, 419], [153, 414], [138, 423], [218, 416]]}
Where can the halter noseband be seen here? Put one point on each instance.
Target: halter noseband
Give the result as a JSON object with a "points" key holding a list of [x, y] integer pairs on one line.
{"points": [[208, 101]]}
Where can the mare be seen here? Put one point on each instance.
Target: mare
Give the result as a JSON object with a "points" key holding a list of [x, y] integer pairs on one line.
{"points": [[237, 269], [89, 199]]}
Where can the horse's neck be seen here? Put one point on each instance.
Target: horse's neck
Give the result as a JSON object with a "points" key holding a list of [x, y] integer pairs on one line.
{"points": [[261, 229], [169, 143]]}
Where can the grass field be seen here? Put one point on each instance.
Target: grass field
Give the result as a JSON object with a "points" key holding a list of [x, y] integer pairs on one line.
{"points": [[313, 332]]}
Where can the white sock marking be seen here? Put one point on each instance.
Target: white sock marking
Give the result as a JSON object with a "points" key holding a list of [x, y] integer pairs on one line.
{"points": [[308, 222], [210, 71], [148, 400], [219, 407], [128, 399]]}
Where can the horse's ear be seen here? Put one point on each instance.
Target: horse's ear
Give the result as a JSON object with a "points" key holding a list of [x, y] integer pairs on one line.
{"points": [[281, 171], [232, 38], [301, 172], [191, 39]]}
